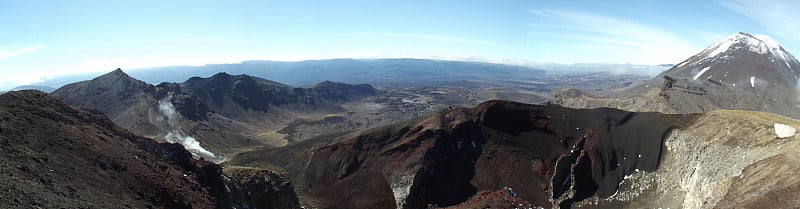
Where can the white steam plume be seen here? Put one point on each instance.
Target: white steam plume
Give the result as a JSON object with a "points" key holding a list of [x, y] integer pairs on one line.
{"points": [[166, 108]]}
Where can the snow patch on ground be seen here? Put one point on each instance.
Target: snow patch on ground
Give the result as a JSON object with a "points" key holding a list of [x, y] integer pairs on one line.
{"points": [[682, 63], [784, 131], [701, 72]]}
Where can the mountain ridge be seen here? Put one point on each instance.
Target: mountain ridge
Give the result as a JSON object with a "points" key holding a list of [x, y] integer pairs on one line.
{"points": [[225, 112]]}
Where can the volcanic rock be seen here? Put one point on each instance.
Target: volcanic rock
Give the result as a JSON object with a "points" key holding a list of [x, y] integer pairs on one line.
{"points": [[549, 155], [258, 188], [54, 156]]}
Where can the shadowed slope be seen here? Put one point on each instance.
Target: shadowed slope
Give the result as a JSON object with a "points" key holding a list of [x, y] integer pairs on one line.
{"points": [[54, 156]]}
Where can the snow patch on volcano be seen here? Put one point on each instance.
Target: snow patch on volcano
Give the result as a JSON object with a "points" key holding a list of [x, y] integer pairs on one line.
{"points": [[701, 72]]}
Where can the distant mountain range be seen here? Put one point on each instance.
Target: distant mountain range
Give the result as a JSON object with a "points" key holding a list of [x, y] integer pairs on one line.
{"points": [[307, 73], [45, 89]]}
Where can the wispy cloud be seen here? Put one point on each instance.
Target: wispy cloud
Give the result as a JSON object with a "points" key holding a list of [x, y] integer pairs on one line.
{"points": [[779, 17], [438, 38], [631, 41], [8, 52]]}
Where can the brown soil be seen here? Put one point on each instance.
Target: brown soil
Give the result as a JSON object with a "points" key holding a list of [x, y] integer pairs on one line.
{"points": [[54, 156]]}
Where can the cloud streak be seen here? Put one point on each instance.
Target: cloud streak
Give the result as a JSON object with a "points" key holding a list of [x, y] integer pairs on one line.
{"points": [[779, 17], [434, 37], [8, 52], [629, 41]]}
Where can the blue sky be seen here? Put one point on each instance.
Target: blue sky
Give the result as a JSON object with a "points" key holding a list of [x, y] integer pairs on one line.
{"points": [[41, 39]]}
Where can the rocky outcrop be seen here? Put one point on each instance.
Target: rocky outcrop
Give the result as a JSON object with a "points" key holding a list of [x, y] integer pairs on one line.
{"points": [[681, 85], [502, 198], [259, 188], [343, 92]]}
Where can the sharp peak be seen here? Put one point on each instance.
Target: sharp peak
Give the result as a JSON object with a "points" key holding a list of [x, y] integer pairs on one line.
{"points": [[119, 72], [116, 73], [226, 75], [119, 76], [328, 82]]}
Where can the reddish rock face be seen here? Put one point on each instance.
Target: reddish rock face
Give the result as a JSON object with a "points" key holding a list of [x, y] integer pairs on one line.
{"points": [[54, 156], [548, 155]]}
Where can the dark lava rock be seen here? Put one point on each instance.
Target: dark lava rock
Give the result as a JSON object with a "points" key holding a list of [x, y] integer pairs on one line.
{"points": [[259, 188], [343, 92]]}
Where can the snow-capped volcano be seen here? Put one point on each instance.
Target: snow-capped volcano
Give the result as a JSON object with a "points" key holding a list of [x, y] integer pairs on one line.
{"points": [[743, 71], [741, 60]]}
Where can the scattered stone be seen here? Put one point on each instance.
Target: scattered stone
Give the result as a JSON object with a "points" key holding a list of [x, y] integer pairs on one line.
{"points": [[784, 131]]}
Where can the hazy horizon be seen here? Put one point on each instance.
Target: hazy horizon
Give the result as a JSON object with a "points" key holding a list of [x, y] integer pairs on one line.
{"points": [[45, 39]]}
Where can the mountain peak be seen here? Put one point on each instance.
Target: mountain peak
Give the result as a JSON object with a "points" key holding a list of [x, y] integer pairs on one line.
{"points": [[743, 62], [114, 75], [759, 43], [221, 75]]}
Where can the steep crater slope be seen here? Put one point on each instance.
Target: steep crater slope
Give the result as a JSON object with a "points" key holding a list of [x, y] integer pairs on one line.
{"points": [[54, 156], [547, 155], [727, 159]]}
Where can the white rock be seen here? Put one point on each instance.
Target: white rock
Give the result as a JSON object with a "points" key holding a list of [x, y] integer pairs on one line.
{"points": [[784, 131]]}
